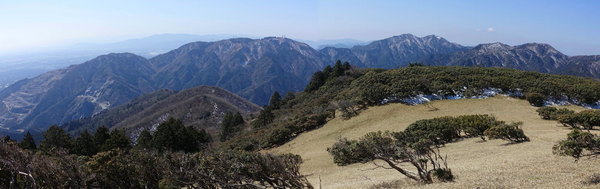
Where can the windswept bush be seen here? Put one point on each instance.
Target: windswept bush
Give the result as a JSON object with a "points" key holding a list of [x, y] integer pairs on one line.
{"points": [[476, 125], [443, 130], [510, 132], [393, 148], [553, 113], [438, 130], [578, 144], [587, 119]]}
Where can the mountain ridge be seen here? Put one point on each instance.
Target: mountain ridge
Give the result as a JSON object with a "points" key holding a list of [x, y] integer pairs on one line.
{"points": [[202, 107], [251, 68]]}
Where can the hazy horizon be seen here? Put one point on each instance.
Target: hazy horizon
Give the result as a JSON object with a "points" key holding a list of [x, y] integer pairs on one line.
{"points": [[49, 24]]}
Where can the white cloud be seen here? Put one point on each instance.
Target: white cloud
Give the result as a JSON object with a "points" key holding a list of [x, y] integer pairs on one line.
{"points": [[490, 29]]}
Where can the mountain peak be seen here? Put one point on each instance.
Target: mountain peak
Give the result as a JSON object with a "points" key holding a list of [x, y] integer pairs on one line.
{"points": [[404, 36], [539, 48], [117, 56], [492, 47]]}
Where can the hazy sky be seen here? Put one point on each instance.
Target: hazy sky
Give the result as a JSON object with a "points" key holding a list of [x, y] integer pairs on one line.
{"points": [[573, 27]]}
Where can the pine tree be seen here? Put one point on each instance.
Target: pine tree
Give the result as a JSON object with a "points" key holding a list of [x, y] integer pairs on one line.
{"points": [[237, 119], [165, 137], [144, 141], [28, 142], [318, 79], [118, 139], [346, 66], [102, 134], [275, 101], [172, 135], [230, 125], [265, 117], [338, 69], [55, 137], [84, 145]]}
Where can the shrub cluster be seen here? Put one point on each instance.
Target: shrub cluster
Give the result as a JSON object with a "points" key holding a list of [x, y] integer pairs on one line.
{"points": [[375, 86], [587, 119], [448, 129], [119, 168], [553, 113]]}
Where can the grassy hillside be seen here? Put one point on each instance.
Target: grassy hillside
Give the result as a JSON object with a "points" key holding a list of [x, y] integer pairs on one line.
{"points": [[491, 164], [349, 90]]}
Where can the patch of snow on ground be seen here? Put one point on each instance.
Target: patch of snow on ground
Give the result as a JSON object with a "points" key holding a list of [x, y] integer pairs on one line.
{"points": [[422, 98]]}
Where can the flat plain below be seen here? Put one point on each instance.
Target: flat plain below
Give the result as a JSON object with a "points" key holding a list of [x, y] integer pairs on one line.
{"points": [[475, 163]]}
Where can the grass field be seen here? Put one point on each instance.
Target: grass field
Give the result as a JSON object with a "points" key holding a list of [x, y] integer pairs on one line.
{"points": [[491, 164]]}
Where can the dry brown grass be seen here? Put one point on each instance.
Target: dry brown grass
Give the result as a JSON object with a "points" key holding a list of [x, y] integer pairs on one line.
{"points": [[491, 164]]}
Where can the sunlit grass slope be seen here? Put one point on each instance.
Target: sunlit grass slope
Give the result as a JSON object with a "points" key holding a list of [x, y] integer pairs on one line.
{"points": [[491, 164]]}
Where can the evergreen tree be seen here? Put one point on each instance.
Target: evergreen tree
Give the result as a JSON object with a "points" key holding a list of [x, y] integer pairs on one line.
{"points": [[238, 119], [203, 137], [165, 137], [187, 140], [172, 135], [55, 137], [230, 125], [346, 66], [101, 135], [144, 141], [118, 139], [318, 79], [275, 101], [327, 71], [84, 145], [265, 117], [28, 142], [338, 69]]}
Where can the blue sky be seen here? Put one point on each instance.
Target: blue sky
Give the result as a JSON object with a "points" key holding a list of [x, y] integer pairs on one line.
{"points": [[573, 27]]}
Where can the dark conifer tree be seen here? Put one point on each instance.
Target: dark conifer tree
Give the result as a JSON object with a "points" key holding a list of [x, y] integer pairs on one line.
{"points": [[55, 137], [275, 101], [28, 142], [144, 141], [118, 139], [265, 117], [165, 137], [338, 69], [231, 125], [84, 145], [346, 66], [317, 80], [102, 134]]}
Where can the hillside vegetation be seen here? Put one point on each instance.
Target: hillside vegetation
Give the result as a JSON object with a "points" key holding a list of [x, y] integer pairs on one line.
{"points": [[344, 91], [490, 164]]}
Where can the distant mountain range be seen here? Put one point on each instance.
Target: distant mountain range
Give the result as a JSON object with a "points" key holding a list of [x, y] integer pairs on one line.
{"points": [[17, 66], [251, 68]]}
